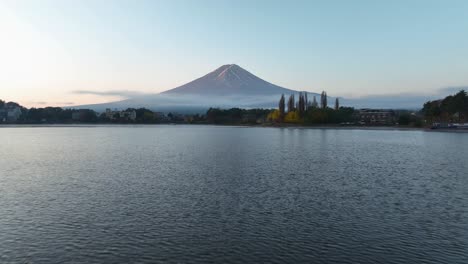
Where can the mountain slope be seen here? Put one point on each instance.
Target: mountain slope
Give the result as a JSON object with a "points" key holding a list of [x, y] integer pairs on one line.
{"points": [[229, 79]]}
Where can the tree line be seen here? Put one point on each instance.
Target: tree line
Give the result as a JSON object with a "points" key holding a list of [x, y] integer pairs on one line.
{"points": [[235, 116], [58, 115], [303, 110]]}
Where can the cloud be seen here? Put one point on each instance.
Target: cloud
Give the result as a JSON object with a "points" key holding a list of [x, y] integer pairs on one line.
{"points": [[451, 90], [159, 102], [65, 103], [121, 93], [50, 103], [402, 100]]}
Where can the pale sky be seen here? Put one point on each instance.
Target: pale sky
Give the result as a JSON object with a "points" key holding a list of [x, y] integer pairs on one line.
{"points": [[49, 49]]}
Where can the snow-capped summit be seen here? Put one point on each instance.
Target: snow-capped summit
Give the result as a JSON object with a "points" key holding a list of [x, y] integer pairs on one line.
{"points": [[229, 79]]}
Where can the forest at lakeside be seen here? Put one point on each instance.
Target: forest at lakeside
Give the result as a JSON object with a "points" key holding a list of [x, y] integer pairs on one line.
{"points": [[453, 108], [306, 112], [59, 115], [303, 111]]}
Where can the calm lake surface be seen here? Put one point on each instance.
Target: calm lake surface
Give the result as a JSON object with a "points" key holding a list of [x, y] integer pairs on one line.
{"points": [[146, 194]]}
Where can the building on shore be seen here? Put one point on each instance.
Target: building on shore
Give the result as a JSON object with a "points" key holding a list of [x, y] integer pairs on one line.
{"points": [[76, 115], [10, 114], [14, 114], [121, 115], [368, 116]]}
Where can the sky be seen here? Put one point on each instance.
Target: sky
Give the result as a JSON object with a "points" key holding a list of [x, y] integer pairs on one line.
{"points": [[51, 50]]}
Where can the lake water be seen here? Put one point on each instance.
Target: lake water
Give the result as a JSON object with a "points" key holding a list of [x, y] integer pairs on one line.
{"points": [[146, 194]]}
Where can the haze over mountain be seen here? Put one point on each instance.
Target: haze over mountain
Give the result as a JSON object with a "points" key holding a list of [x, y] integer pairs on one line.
{"points": [[228, 86], [232, 86]]}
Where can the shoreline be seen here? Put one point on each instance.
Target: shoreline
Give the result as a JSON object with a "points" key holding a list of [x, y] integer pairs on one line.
{"points": [[292, 126]]}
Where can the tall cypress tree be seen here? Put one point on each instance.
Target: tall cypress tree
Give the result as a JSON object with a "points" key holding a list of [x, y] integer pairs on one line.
{"points": [[306, 102], [281, 106], [323, 100], [314, 102], [301, 104], [291, 103]]}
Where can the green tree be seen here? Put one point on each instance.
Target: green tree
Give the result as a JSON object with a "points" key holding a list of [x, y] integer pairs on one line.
{"points": [[404, 119], [460, 102]]}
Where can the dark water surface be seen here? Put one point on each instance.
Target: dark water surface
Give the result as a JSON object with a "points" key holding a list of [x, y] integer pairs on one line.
{"points": [[181, 194]]}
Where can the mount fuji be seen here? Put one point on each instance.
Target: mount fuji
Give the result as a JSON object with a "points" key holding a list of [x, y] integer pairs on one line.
{"points": [[230, 79], [232, 86], [226, 87]]}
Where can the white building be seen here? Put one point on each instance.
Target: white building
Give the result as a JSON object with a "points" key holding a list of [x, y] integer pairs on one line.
{"points": [[113, 115]]}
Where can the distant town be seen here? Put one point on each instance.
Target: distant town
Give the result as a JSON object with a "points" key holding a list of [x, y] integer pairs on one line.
{"points": [[445, 113]]}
